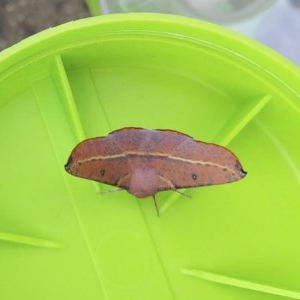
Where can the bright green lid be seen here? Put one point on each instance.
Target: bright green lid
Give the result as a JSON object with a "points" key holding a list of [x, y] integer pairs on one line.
{"points": [[61, 239]]}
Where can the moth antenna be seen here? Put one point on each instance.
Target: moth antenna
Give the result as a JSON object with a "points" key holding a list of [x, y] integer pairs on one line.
{"points": [[156, 207]]}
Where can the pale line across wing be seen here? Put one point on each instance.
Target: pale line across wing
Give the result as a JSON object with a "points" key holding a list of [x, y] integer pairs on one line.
{"points": [[154, 154]]}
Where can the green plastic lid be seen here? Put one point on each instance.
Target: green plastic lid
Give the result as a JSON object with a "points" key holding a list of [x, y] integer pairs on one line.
{"points": [[61, 239]]}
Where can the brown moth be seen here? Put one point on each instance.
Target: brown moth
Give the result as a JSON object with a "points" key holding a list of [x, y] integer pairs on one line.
{"points": [[144, 162]]}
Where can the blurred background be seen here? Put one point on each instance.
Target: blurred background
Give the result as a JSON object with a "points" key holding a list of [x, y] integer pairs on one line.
{"points": [[22, 18], [275, 23]]}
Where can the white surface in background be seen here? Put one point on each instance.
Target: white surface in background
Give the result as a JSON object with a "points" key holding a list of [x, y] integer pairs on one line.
{"points": [[278, 28]]}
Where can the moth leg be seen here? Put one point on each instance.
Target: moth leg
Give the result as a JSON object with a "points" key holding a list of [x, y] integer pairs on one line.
{"points": [[181, 193], [156, 207], [111, 191], [167, 182], [172, 186]]}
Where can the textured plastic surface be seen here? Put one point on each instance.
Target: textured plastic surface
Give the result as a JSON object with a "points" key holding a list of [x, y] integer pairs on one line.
{"points": [[60, 239]]}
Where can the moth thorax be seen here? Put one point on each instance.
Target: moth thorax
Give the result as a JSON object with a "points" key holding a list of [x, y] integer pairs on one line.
{"points": [[143, 182]]}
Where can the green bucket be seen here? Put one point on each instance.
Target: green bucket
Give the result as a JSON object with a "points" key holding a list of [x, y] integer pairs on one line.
{"points": [[61, 239]]}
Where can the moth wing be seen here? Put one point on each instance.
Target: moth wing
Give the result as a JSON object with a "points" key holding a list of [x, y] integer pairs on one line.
{"points": [[194, 163], [100, 159]]}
